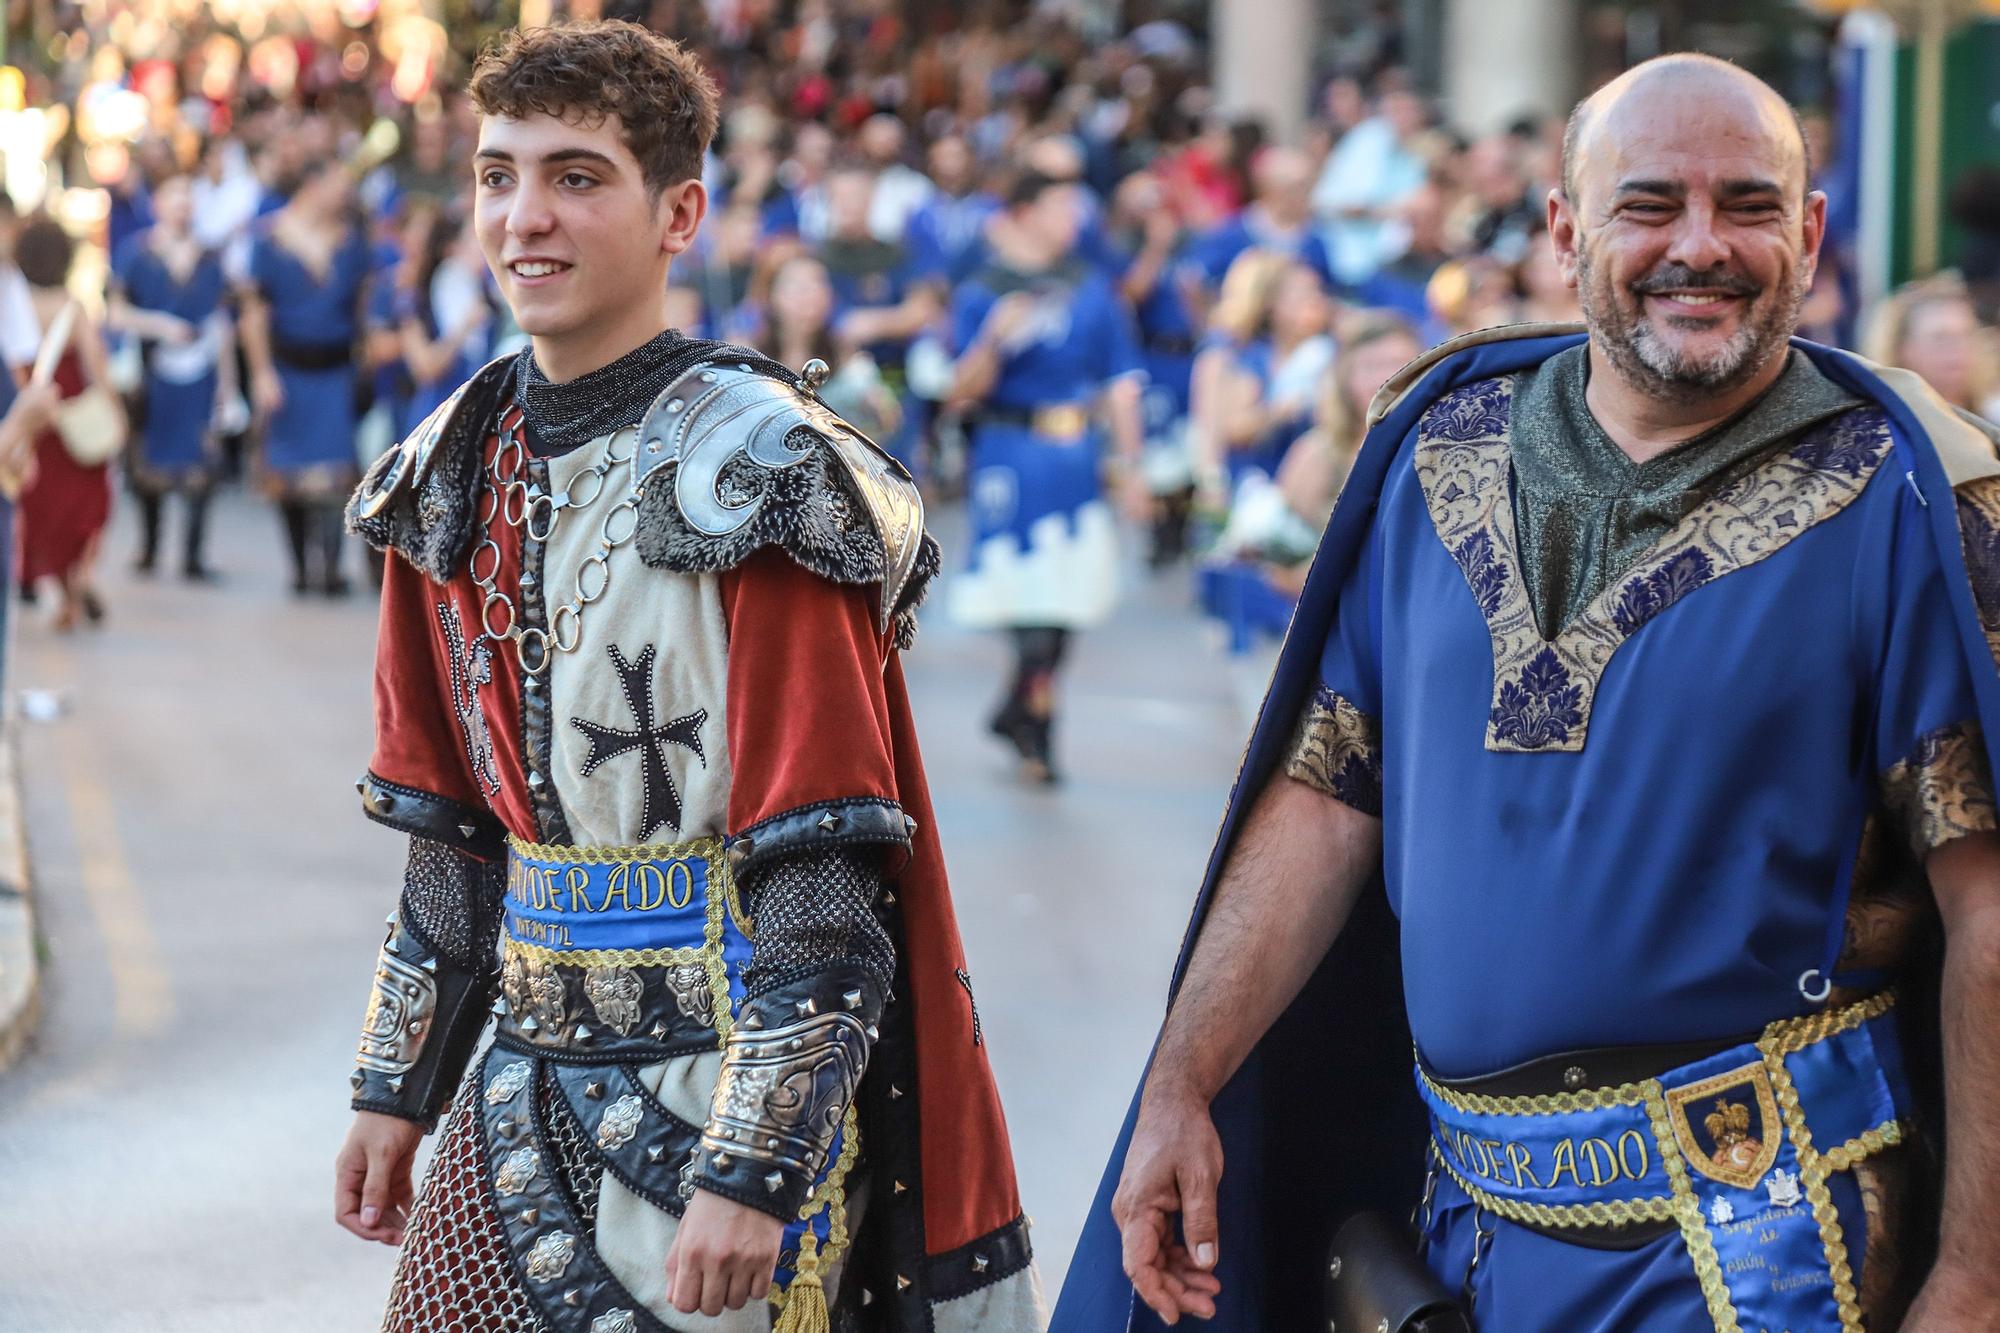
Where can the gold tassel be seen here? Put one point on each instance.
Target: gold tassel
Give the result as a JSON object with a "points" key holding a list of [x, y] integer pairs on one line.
{"points": [[805, 1299]]}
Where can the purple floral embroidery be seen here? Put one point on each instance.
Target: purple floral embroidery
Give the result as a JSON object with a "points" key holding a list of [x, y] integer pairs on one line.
{"points": [[1483, 570], [1539, 709], [1851, 443], [1476, 411], [1981, 540], [1646, 595]]}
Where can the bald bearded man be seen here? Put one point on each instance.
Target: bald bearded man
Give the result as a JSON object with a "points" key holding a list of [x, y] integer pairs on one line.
{"points": [[1630, 761]]}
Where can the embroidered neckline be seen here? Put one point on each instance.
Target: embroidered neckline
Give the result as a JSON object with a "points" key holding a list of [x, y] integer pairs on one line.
{"points": [[1543, 689]]}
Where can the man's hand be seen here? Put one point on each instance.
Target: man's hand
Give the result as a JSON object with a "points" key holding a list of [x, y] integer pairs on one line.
{"points": [[267, 394], [371, 1176], [1172, 1167], [723, 1256], [1956, 1299]]}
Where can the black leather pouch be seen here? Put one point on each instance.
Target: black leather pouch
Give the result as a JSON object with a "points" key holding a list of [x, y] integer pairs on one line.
{"points": [[1377, 1283]]}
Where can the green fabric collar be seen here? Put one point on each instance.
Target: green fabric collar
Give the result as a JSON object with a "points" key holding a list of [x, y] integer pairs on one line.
{"points": [[1585, 513]]}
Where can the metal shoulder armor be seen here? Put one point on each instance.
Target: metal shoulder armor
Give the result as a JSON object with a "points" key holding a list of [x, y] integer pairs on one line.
{"points": [[732, 459], [420, 497]]}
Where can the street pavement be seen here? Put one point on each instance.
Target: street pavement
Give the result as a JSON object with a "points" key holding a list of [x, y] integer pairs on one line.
{"points": [[211, 900]]}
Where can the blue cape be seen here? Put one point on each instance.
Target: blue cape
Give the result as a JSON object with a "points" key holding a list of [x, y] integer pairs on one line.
{"points": [[1323, 1119]]}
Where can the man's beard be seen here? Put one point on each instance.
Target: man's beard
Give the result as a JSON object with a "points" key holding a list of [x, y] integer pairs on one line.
{"points": [[1653, 364]]}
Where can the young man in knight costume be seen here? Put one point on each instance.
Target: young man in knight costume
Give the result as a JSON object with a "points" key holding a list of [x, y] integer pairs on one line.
{"points": [[1630, 761], [639, 708]]}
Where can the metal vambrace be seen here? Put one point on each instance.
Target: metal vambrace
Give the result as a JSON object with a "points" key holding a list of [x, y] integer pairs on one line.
{"points": [[790, 1071], [424, 1017]]}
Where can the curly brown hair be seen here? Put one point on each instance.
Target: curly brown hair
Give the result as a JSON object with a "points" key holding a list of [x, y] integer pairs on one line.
{"points": [[665, 102]]}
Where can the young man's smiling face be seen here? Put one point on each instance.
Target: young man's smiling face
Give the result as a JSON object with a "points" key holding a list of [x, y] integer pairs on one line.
{"points": [[578, 242]]}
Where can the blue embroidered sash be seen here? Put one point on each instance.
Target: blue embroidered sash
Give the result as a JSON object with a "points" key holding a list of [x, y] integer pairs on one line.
{"points": [[1736, 1149]]}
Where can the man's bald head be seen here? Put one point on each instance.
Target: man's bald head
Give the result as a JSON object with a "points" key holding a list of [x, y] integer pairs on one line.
{"points": [[1646, 97]]}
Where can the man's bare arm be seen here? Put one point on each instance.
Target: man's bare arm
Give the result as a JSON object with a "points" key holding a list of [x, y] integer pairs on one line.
{"points": [[1964, 1289], [1289, 883]]}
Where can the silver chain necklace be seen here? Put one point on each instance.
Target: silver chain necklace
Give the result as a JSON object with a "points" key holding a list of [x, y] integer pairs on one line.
{"points": [[537, 513]]}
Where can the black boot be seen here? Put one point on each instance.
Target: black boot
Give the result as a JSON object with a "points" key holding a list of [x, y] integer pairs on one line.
{"points": [[294, 515], [332, 536], [149, 530], [192, 567]]}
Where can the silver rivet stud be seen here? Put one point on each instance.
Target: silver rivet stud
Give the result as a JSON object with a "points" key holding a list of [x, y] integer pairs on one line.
{"points": [[901, 1187], [529, 1024], [708, 377], [656, 1152], [720, 1161], [754, 1021], [773, 1182], [980, 1263], [675, 405], [806, 1007], [396, 1083], [584, 1035], [467, 829], [660, 1031], [574, 1296], [356, 1079], [1333, 1267], [530, 1216], [593, 1090], [894, 1092], [829, 822], [1574, 1077], [902, 1283], [852, 999]]}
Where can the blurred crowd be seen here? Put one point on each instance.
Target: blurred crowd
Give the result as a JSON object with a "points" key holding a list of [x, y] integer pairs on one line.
{"points": [[276, 278]]}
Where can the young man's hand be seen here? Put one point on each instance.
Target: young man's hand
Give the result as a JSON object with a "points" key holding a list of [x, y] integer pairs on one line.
{"points": [[723, 1256], [372, 1191]]}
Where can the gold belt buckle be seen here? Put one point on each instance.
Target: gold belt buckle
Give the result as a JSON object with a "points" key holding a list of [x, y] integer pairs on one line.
{"points": [[1066, 421]]}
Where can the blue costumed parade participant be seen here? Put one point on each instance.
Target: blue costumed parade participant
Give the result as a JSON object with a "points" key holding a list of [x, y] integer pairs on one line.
{"points": [[168, 290], [1611, 888], [1043, 340], [303, 305]]}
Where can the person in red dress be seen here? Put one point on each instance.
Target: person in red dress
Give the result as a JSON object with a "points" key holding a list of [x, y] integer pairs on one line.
{"points": [[65, 504]]}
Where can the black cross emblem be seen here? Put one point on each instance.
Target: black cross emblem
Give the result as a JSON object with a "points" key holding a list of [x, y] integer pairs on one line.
{"points": [[662, 807]]}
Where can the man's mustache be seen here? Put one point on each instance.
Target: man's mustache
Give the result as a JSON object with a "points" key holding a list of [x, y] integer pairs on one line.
{"points": [[1679, 277]]}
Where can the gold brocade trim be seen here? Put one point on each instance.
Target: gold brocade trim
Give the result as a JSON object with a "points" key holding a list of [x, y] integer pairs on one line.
{"points": [[1979, 540], [719, 897], [1554, 1103], [829, 1197], [1543, 688], [1687, 1212], [1813, 1171], [1337, 751], [1863, 1146], [1943, 789], [1617, 1213]]}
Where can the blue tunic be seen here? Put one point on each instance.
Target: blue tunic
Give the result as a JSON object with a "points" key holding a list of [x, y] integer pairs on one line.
{"points": [[1044, 542], [314, 429], [180, 382]]}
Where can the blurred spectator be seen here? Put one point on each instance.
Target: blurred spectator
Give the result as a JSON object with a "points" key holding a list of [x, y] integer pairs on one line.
{"points": [[900, 189], [303, 300], [1545, 297], [1373, 166], [800, 328], [944, 231], [66, 501], [168, 292], [1278, 220], [1931, 327], [1258, 399], [1975, 208], [1145, 229], [1500, 219], [445, 314], [20, 328]]}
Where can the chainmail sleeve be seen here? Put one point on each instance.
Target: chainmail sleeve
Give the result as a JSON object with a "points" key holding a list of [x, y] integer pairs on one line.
{"points": [[815, 910], [819, 972], [434, 978]]}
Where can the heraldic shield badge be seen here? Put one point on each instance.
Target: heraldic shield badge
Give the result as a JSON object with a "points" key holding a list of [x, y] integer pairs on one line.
{"points": [[1727, 1126]]}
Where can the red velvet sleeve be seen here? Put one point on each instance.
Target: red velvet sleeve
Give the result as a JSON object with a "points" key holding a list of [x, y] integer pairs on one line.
{"points": [[418, 744], [808, 709]]}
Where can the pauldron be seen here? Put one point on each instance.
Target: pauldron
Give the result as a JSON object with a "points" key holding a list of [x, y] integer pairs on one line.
{"points": [[420, 499], [732, 459], [790, 1070], [424, 1016]]}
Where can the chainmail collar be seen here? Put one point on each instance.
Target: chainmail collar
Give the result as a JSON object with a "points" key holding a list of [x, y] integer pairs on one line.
{"points": [[562, 417]]}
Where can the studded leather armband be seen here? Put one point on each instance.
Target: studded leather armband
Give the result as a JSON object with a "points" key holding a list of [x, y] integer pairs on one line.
{"points": [[789, 1072], [424, 1017]]}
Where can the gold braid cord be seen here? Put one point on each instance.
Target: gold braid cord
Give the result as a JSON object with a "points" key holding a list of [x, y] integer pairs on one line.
{"points": [[1555, 1103], [830, 1197], [1687, 1212], [1617, 1213], [1814, 1169]]}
